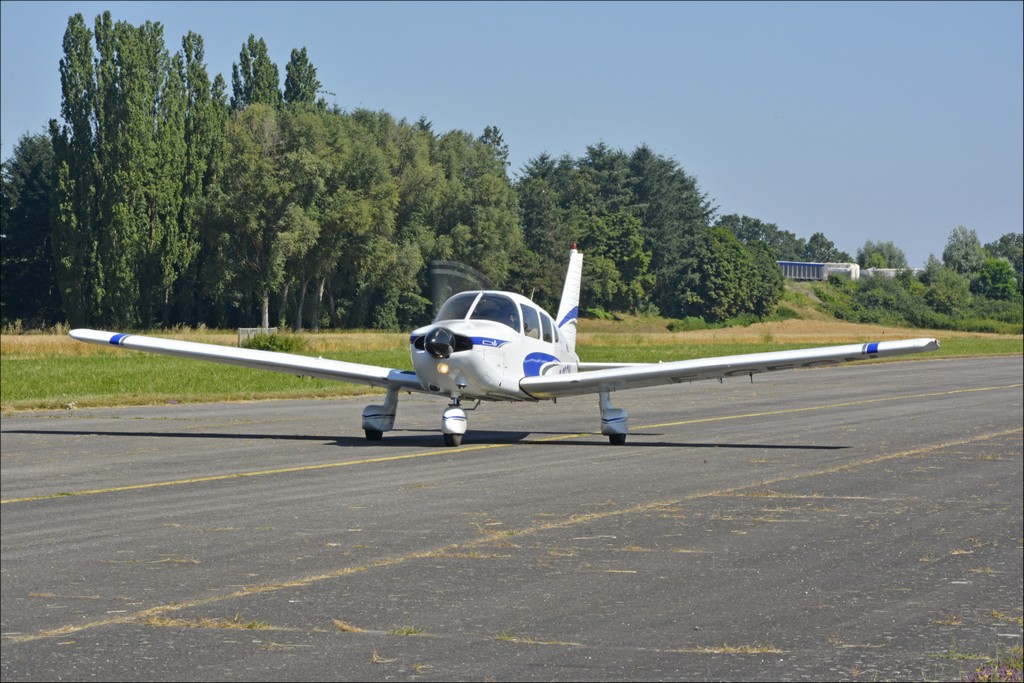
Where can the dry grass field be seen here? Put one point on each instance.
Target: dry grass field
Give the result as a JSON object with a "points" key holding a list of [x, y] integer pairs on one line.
{"points": [[34, 345], [625, 331]]}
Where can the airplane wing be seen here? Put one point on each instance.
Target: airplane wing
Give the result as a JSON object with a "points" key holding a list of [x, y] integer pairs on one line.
{"points": [[292, 364], [605, 378]]}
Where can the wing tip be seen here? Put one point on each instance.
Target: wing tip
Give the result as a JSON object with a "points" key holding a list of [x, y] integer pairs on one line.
{"points": [[83, 334]]}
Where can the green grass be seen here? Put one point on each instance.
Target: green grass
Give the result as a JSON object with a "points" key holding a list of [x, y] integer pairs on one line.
{"points": [[957, 347], [135, 378]]}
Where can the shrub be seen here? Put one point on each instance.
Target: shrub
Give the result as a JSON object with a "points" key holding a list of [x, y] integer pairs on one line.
{"points": [[1007, 311], [597, 313], [742, 320], [687, 324], [783, 313], [949, 292], [287, 343]]}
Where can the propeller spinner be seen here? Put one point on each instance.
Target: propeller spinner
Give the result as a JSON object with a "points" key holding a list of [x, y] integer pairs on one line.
{"points": [[440, 342]]}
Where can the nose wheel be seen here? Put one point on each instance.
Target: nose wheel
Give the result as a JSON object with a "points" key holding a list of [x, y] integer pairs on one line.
{"points": [[454, 423]]}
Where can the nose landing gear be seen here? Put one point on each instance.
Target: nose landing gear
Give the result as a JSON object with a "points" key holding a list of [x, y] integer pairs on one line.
{"points": [[453, 423]]}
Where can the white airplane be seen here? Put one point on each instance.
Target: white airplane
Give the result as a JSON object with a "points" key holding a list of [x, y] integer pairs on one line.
{"points": [[500, 346]]}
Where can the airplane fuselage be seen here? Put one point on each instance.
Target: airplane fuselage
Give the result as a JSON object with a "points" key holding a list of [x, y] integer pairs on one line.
{"points": [[481, 345]]}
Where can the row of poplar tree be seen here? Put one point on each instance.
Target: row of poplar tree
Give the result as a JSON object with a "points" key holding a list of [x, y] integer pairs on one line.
{"points": [[157, 199]]}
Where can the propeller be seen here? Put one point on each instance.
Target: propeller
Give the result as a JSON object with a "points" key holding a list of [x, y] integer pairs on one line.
{"points": [[451, 277]]}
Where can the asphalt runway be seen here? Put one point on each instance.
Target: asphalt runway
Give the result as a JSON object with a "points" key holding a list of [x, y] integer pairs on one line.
{"points": [[856, 523]]}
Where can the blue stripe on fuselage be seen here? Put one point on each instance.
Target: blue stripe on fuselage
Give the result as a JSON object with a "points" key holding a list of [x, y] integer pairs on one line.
{"points": [[872, 348], [534, 362], [488, 341], [116, 339]]}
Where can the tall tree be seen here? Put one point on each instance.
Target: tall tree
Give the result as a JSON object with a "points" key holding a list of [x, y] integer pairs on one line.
{"points": [[539, 270], [881, 255], [768, 283], [75, 185], [1010, 247], [28, 284], [122, 152], [120, 158], [300, 82], [673, 210], [492, 136], [216, 302], [140, 148], [479, 217], [713, 280], [616, 276], [820, 249], [255, 78], [996, 279], [963, 252], [249, 204], [314, 143], [786, 245], [368, 273], [595, 198], [170, 243], [603, 181], [205, 116]]}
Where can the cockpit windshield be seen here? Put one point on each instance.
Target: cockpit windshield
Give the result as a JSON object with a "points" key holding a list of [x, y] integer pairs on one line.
{"points": [[495, 307], [457, 307], [498, 308]]}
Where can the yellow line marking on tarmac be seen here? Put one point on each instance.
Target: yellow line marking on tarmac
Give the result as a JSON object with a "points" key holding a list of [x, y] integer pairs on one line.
{"points": [[467, 449], [442, 551], [258, 473]]}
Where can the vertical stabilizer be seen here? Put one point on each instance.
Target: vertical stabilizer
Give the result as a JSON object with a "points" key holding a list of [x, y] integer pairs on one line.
{"points": [[569, 308]]}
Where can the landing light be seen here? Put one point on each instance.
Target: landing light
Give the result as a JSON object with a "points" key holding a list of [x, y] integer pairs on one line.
{"points": [[442, 368]]}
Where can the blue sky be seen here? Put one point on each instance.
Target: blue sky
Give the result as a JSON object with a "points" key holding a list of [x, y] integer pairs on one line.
{"points": [[866, 120]]}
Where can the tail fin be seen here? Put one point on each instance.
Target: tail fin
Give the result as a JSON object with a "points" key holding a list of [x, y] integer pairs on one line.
{"points": [[569, 308]]}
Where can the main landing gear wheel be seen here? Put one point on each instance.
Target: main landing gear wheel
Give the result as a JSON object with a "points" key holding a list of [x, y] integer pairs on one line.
{"points": [[614, 421], [453, 439], [380, 419]]}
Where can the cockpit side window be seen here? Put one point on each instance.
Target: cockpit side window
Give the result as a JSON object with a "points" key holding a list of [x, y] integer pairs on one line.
{"points": [[497, 308], [456, 307], [545, 325], [531, 322]]}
